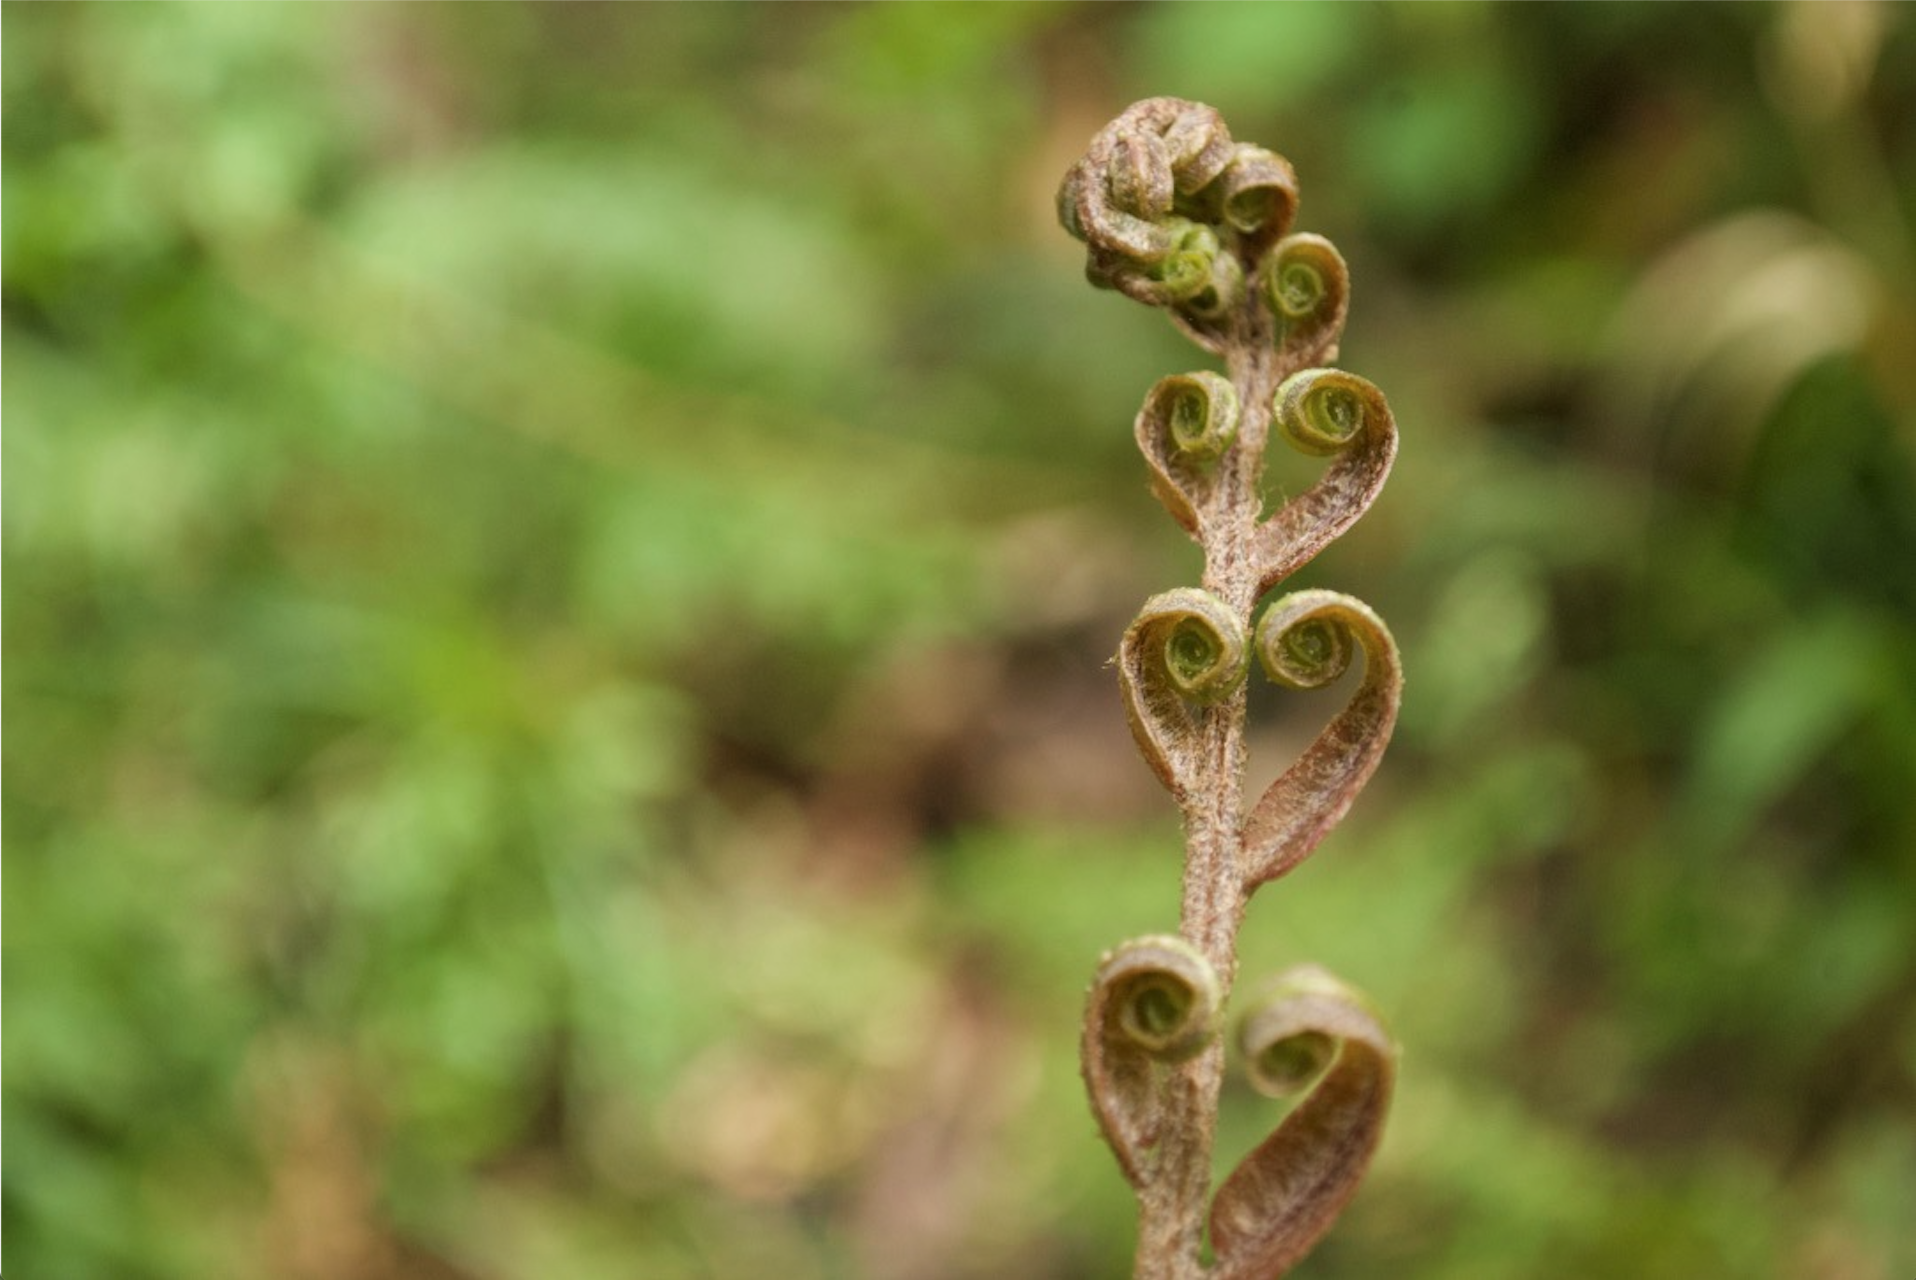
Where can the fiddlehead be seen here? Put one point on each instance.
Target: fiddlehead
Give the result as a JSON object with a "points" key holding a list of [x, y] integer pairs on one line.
{"points": [[1305, 641], [1307, 1031], [1154, 1001], [1326, 412], [1176, 214], [1172, 211], [1157, 154], [1184, 653]]}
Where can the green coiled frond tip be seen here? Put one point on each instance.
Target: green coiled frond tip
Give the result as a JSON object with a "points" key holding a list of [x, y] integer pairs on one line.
{"points": [[1325, 411], [1199, 411], [1306, 651]]}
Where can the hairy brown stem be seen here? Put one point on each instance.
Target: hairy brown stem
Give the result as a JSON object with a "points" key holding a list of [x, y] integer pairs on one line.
{"points": [[1172, 1209]]}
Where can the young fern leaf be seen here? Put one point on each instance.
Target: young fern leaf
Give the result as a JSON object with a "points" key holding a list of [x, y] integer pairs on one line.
{"points": [[1309, 288], [1285, 1194], [1185, 426], [1305, 641], [1184, 653], [1176, 214], [1257, 196], [1326, 412], [1154, 1001]]}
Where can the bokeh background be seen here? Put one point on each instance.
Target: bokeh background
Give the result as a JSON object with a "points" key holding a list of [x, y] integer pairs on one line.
{"points": [[559, 561]]}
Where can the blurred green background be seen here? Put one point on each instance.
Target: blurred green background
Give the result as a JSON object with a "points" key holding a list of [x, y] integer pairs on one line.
{"points": [[559, 561]]}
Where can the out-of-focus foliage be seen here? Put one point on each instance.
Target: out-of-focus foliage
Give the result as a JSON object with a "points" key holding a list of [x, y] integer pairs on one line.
{"points": [[558, 561]]}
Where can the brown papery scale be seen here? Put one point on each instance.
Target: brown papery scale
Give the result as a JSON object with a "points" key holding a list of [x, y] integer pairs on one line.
{"points": [[1175, 213]]}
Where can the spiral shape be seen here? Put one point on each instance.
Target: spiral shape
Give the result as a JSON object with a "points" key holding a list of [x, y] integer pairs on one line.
{"points": [[1258, 194], [1184, 652], [1173, 212], [1187, 422], [1160, 995], [1281, 1031], [1306, 640], [1307, 1030], [1326, 413], [1198, 412], [1154, 1000], [1307, 653], [1308, 287]]}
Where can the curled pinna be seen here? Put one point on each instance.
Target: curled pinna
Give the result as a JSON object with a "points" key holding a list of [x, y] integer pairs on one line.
{"points": [[1155, 1000], [1306, 640], [1184, 653], [1306, 1031], [1308, 287], [1187, 422], [1326, 413], [1175, 213]]}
